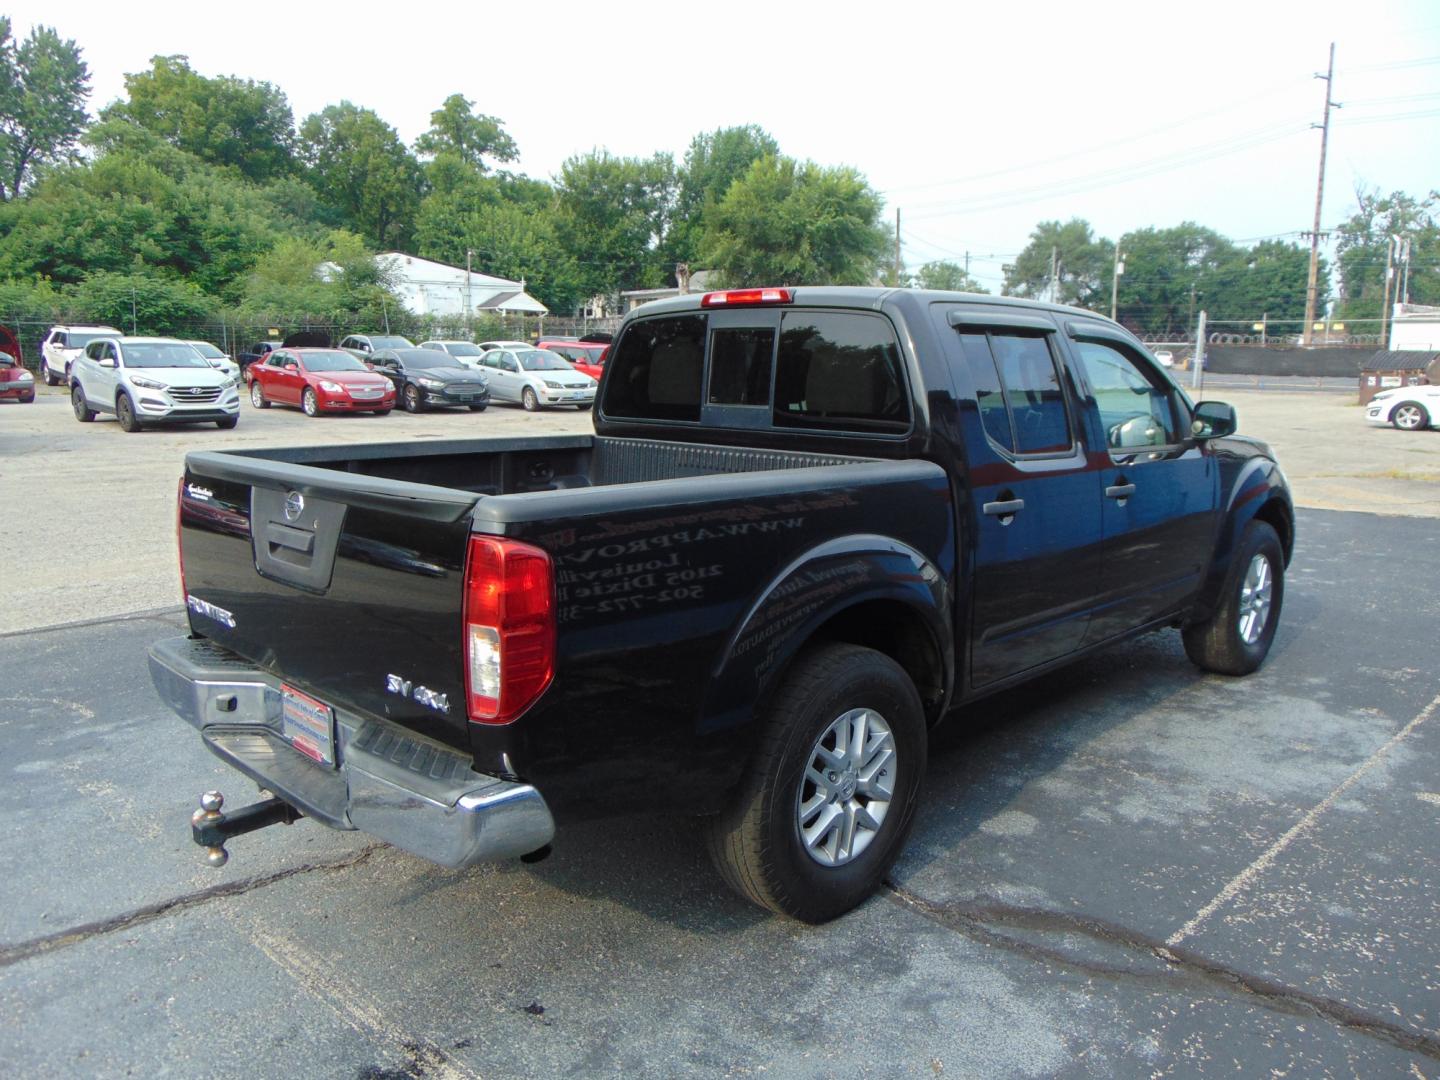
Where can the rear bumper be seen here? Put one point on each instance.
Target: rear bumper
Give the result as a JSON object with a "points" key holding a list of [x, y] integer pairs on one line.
{"points": [[388, 783]]}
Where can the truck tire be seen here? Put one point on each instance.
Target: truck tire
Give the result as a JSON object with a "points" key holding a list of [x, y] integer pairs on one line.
{"points": [[83, 412], [1237, 636], [810, 788], [1410, 416]]}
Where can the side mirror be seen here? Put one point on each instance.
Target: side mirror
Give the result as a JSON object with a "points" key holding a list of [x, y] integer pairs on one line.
{"points": [[107, 361], [1213, 420]]}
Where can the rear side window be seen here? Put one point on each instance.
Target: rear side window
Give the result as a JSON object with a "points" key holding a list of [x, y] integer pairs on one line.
{"points": [[657, 370], [839, 370], [1017, 387]]}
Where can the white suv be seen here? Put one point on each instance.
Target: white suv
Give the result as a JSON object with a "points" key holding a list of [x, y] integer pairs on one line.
{"points": [[63, 346], [151, 381]]}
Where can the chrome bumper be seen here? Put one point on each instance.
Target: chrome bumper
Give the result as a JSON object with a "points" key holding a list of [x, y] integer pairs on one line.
{"points": [[389, 783]]}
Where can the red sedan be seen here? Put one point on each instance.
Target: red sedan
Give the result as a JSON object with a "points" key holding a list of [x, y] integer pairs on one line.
{"points": [[16, 383], [319, 381]]}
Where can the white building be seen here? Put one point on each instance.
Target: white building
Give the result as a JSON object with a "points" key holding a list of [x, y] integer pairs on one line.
{"points": [[1415, 327], [432, 288]]}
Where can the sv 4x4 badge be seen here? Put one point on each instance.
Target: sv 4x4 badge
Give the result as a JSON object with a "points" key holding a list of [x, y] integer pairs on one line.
{"points": [[394, 684]]}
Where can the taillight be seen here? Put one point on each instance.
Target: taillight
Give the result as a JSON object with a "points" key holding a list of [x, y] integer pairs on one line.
{"points": [[743, 297], [509, 628]]}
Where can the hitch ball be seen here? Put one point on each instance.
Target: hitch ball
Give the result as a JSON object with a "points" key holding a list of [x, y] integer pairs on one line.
{"points": [[209, 815]]}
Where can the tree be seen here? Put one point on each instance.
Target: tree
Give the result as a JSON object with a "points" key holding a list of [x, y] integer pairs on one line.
{"points": [[469, 137], [1170, 275], [611, 215], [360, 168], [1083, 262], [714, 161], [947, 275], [791, 223], [225, 121], [1268, 280], [1361, 251], [43, 87]]}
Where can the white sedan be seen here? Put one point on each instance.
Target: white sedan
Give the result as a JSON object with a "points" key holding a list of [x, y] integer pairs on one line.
{"points": [[1409, 408]]}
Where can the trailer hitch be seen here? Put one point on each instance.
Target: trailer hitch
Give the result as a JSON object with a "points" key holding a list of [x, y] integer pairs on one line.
{"points": [[210, 828]]}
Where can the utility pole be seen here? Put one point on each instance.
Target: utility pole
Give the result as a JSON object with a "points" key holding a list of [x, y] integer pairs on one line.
{"points": [[469, 306], [897, 247], [967, 264], [1198, 365], [1115, 281], [1264, 327], [1311, 285], [1054, 274], [1192, 303], [1405, 273], [1389, 276]]}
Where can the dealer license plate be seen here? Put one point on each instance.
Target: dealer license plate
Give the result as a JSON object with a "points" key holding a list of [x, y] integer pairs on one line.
{"points": [[308, 725]]}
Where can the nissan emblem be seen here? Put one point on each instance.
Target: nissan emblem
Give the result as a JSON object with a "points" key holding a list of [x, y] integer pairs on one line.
{"points": [[294, 506]]}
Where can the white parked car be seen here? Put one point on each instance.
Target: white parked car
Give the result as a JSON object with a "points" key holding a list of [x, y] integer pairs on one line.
{"points": [[63, 345], [1409, 408], [151, 381], [216, 359], [468, 353], [536, 377]]}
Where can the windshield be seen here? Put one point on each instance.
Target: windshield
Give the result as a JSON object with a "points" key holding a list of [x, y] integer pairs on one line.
{"points": [[462, 348], [331, 360], [542, 360], [425, 358], [210, 352], [391, 343], [163, 355], [79, 341]]}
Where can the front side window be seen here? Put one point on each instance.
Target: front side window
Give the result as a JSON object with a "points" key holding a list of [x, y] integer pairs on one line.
{"points": [[1134, 410], [1022, 405], [839, 370]]}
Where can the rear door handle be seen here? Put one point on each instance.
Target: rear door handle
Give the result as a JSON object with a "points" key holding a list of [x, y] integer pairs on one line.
{"points": [[1004, 509], [1119, 491]]}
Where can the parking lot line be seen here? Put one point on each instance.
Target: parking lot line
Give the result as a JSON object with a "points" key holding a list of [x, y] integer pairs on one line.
{"points": [[1243, 879]]}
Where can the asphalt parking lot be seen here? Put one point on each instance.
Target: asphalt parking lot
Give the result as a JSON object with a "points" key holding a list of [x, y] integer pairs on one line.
{"points": [[1128, 868]]}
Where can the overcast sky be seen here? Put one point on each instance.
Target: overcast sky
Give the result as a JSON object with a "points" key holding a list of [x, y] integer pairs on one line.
{"points": [[976, 121]]}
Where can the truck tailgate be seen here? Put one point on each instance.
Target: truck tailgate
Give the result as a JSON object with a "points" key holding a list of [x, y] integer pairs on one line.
{"points": [[340, 584]]}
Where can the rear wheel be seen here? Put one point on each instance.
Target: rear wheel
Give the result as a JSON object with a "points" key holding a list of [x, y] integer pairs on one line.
{"points": [[310, 403], [83, 412], [1410, 416], [529, 400], [1236, 638], [257, 396], [125, 413], [831, 793]]}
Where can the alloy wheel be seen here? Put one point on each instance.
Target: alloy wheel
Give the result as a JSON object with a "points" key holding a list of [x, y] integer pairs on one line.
{"points": [[845, 793]]}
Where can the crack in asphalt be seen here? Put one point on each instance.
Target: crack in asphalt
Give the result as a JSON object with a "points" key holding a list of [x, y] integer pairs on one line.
{"points": [[63, 939], [159, 614], [979, 921]]}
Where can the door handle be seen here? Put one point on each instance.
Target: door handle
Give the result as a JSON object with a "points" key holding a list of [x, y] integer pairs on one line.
{"points": [[1119, 491], [1005, 508]]}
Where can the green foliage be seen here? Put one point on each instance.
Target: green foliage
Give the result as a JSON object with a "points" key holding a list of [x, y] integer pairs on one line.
{"points": [[361, 169], [335, 281], [469, 137], [947, 275], [1082, 258], [714, 161], [1270, 279], [223, 121], [1361, 251], [43, 87], [791, 223], [142, 301], [611, 215]]}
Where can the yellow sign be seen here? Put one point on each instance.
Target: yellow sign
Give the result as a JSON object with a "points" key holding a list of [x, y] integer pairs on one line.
{"points": [[275, 331], [1337, 326], [1257, 326], [1318, 326]]}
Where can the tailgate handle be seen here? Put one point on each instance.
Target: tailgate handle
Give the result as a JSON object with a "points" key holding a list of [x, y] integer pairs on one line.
{"points": [[284, 536]]}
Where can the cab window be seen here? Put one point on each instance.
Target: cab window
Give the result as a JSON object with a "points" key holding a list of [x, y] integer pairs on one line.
{"points": [[839, 370], [1136, 408], [1018, 391]]}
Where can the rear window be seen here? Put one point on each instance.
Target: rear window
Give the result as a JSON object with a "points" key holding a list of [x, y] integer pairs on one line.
{"points": [[826, 370]]}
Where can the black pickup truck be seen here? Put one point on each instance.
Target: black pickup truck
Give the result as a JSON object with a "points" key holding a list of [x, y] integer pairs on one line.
{"points": [[811, 524]]}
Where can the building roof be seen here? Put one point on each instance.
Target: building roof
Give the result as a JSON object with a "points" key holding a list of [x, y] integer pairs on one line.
{"points": [[1402, 360]]}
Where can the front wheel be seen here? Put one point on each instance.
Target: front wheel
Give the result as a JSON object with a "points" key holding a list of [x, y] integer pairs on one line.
{"points": [[125, 413], [228, 423], [478, 408], [380, 412], [83, 412], [1236, 638], [51, 379], [412, 399], [831, 793], [310, 403], [1410, 416], [257, 396], [529, 400]]}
